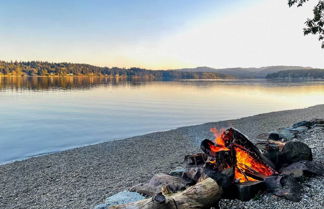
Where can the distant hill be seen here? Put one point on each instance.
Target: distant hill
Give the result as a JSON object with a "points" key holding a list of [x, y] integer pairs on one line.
{"points": [[36, 68], [261, 72], [312, 74]]}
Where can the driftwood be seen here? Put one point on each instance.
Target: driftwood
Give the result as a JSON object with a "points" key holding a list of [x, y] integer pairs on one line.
{"points": [[204, 194]]}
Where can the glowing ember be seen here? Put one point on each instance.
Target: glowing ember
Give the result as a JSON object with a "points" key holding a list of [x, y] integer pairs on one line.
{"points": [[246, 163], [240, 177]]}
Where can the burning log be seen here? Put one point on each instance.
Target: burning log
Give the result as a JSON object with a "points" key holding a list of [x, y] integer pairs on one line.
{"points": [[204, 194]]}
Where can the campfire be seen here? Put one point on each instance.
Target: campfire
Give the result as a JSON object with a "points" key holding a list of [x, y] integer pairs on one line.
{"points": [[232, 150], [232, 167]]}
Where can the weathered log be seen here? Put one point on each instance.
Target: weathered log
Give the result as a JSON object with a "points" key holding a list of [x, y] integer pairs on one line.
{"points": [[204, 194]]}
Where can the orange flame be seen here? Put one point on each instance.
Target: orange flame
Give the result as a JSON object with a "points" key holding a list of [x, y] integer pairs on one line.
{"points": [[220, 144]]}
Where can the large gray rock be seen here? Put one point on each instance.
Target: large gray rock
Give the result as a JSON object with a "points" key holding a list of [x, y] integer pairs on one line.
{"points": [[303, 168], [299, 129], [307, 124], [284, 186], [123, 198], [295, 151], [101, 206], [286, 134], [317, 121], [154, 186], [274, 136], [178, 171]]}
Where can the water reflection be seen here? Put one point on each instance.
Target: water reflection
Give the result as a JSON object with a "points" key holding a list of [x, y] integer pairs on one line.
{"points": [[62, 83], [87, 82]]}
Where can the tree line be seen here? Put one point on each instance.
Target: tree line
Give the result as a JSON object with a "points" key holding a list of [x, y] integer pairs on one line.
{"points": [[312, 74], [37, 68]]}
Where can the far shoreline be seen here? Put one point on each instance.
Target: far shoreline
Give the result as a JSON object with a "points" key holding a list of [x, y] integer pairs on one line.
{"points": [[143, 78]]}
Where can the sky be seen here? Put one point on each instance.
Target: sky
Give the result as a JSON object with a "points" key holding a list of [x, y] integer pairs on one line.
{"points": [[159, 34]]}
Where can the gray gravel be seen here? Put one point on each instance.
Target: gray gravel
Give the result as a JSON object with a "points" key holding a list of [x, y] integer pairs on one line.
{"points": [[84, 177]]}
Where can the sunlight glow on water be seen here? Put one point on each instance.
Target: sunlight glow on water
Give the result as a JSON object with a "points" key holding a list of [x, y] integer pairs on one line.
{"points": [[53, 118]]}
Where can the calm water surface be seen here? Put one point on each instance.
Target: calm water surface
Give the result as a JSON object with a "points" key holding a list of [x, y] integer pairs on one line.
{"points": [[42, 115]]}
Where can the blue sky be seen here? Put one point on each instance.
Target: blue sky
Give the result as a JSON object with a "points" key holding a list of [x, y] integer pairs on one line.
{"points": [[115, 32], [106, 20]]}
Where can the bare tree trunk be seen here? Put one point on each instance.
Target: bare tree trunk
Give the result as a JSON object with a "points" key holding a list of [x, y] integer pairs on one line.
{"points": [[204, 194]]}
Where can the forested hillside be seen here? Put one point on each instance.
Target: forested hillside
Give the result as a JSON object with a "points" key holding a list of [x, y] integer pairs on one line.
{"points": [[70, 69], [312, 74]]}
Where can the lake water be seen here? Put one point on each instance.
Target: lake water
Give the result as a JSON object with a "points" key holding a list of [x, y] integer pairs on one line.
{"points": [[43, 115]]}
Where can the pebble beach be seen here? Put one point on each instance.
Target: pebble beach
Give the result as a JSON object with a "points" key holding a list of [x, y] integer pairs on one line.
{"points": [[83, 177]]}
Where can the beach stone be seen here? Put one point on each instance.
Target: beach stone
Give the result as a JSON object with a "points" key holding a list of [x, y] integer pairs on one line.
{"points": [[156, 183], [305, 123], [318, 126], [303, 168], [123, 198], [286, 134], [101, 206], [317, 121], [295, 151], [299, 129], [274, 136]]}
